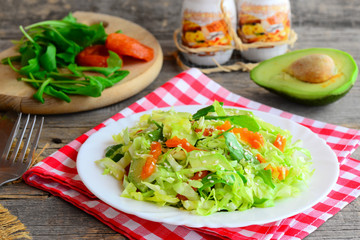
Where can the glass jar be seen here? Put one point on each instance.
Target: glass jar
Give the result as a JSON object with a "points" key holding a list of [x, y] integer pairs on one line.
{"points": [[203, 25], [263, 21]]}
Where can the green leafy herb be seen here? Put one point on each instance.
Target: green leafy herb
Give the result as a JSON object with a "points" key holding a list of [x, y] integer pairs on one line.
{"points": [[244, 121], [50, 45], [238, 153], [114, 152], [204, 111], [157, 134], [212, 179]]}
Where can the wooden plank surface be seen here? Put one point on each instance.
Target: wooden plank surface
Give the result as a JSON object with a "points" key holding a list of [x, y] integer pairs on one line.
{"points": [[332, 23]]}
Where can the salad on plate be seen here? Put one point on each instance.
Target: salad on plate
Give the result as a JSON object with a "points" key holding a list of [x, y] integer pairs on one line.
{"points": [[218, 159]]}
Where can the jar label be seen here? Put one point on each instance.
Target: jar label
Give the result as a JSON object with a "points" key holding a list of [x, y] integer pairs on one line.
{"points": [[263, 23]]}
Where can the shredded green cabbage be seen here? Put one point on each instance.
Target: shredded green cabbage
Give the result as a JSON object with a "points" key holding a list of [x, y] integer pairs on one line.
{"points": [[223, 171]]}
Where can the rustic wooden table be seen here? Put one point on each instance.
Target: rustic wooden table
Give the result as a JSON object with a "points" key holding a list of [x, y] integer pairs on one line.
{"points": [[333, 24]]}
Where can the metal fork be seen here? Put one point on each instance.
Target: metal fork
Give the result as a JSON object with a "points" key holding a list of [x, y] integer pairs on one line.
{"points": [[13, 167]]}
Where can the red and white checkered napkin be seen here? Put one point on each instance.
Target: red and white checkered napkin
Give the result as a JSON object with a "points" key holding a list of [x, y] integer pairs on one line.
{"points": [[57, 173]]}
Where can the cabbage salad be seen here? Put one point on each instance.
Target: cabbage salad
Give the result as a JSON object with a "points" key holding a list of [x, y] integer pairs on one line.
{"points": [[218, 159]]}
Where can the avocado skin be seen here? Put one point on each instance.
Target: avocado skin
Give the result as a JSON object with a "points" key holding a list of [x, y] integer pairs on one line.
{"points": [[309, 102], [320, 101]]}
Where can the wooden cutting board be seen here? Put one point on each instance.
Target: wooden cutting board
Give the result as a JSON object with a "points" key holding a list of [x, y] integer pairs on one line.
{"points": [[17, 95]]}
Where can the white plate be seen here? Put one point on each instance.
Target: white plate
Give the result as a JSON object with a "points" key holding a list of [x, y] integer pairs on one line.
{"points": [[108, 189]]}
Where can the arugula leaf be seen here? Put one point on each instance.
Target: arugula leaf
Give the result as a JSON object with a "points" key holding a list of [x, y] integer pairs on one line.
{"points": [[244, 121], [238, 153], [105, 71], [204, 111], [225, 177], [49, 45], [39, 93], [114, 60], [6, 61], [114, 152], [28, 52], [212, 179], [51, 91], [92, 88], [113, 79], [32, 66], [157, 134], [69, 18], [48, 59]]}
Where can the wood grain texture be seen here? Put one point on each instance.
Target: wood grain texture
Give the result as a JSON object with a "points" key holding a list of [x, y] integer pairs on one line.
{"points": [[331, 23]]}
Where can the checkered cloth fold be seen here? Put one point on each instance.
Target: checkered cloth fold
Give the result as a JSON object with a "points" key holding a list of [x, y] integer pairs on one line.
{"points": [[57, 173]]}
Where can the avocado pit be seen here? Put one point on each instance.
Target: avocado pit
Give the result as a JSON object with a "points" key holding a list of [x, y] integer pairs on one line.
{"points": [[313, 68]]}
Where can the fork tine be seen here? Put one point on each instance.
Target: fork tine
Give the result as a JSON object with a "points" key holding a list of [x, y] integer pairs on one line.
{"points": [[26, 144], [19, 140], [11, 138], [12, 169], [35, 143]]}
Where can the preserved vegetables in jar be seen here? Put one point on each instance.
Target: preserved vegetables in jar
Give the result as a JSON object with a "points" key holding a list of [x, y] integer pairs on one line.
{"points": [[264, 21], [204, 25]]}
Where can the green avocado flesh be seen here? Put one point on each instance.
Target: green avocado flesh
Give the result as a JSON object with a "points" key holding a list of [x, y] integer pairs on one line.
{"points": [[271, 75]]}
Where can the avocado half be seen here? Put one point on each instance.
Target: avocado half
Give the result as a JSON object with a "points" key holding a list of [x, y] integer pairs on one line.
{"points": [[272, 74]]}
